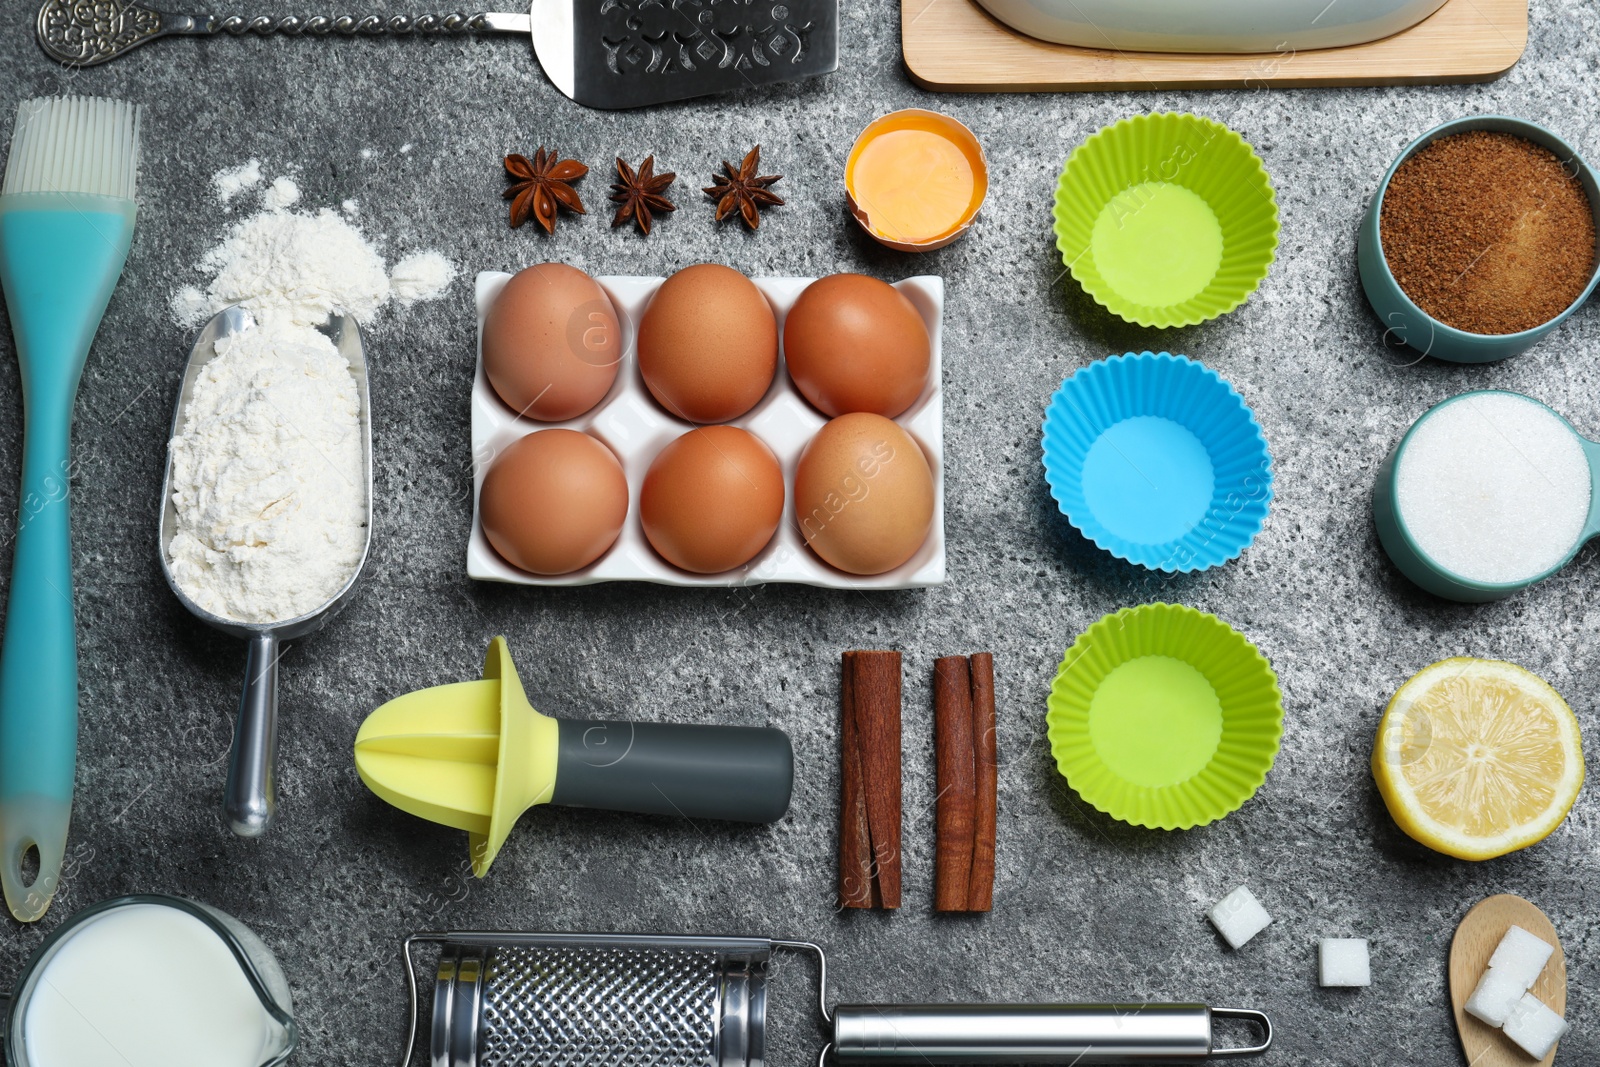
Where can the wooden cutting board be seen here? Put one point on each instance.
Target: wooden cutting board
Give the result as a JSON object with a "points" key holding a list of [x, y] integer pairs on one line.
{"points": [[956, 46], [1475, 941]]}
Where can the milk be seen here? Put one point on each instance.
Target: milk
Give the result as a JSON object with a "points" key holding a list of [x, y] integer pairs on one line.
{"points": [[144, 985]]}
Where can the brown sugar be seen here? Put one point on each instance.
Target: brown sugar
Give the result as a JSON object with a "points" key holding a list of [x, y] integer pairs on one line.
{"points": [[1488, 232]]}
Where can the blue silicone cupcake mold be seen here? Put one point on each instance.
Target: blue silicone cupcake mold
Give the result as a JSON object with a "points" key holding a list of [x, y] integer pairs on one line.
{"points": [[1157, 460]]}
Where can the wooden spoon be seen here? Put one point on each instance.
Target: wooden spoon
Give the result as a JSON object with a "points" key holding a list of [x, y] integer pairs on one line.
{"points": [[1474, 943]]}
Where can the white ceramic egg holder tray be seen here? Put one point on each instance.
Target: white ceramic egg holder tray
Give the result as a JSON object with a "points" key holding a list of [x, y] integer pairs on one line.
{"points": [[636, 428]]}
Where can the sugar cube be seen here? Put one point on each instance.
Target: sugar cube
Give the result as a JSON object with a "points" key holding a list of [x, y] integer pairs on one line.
{"points": [[1534, 1027], [1342, 963], [1520, 956], [1238, 917], [1497, 992]]}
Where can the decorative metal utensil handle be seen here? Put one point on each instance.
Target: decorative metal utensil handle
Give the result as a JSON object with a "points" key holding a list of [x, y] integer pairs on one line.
{"points": [[85, 33], [349, 25]]}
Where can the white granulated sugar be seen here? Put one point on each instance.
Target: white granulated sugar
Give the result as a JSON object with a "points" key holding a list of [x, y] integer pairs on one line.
{"points": [[268, 478], [351, 208], [232, 181], [282, 193], [421, 276], [1493, 487]]}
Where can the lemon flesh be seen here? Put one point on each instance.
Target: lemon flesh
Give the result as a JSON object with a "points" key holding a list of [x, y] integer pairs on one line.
{"points": [[1477, 758]]}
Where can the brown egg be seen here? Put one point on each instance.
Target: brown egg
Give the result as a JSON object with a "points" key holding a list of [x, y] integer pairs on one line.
{"points": [[554, 501], [712, 500], [854, 343], [551, 343], [708, 344], [863, 494]]}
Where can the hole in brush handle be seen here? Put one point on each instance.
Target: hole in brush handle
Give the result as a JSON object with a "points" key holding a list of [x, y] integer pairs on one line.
{"points": [[35, 824]]}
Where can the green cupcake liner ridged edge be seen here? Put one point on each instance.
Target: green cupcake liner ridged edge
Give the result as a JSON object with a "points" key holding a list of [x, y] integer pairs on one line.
{"points": [[1246, 766], [1247, 282]]}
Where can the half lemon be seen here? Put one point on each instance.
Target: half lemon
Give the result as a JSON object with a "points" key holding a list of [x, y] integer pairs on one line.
{"points": [[1477, 758]]}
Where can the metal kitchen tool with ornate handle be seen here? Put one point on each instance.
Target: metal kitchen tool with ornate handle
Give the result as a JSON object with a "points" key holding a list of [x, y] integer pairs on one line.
{"points": [[598, 1000], [601, 53]]}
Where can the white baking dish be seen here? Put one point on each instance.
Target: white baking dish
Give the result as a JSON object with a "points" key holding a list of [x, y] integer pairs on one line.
{"points": [[1278, 26]]}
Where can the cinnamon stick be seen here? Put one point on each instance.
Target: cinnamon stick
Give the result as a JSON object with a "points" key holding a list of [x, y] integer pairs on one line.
{"points": [[954, 807], [986, 762], [869, 830], [855, 840], [967, 765]]}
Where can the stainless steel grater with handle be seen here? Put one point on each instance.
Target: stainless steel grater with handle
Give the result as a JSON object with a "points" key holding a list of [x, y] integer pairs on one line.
{"points": [[596, 1000], [601, 53]]}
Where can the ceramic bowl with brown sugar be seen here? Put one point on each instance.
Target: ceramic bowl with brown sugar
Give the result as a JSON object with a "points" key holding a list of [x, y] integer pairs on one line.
{"points": [[1405, 322]]}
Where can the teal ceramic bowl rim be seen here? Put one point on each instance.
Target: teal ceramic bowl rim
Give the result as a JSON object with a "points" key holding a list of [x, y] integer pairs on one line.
{"points": [[1387, 514], [1121, 548], [1117, 129], [1523, 339], [1250, 654]]}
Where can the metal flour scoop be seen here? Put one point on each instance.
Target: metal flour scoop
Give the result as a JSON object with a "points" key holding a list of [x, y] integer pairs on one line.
{"points": [[612, 54], [476, 755], [251, 795]]}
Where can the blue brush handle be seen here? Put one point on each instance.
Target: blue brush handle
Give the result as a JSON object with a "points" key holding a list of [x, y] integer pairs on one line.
{"points": [[60, 257]]}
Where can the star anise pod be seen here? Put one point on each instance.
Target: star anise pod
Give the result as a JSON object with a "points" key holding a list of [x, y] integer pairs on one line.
{"points": [[541, 185], [641, 193], [743, 190]]}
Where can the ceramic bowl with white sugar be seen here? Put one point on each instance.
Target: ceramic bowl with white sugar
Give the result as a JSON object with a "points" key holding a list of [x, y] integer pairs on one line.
{"points": [[1486, 494]]}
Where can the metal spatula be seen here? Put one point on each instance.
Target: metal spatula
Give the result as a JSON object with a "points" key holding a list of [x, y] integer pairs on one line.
{"points": [[601, 53]]}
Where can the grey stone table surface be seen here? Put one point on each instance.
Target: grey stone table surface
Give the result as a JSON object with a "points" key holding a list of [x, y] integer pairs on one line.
{"points": [[1085, 908]]}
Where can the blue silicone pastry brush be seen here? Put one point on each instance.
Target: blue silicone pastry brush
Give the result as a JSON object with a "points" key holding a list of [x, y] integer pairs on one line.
{"points": [[66, 219]]}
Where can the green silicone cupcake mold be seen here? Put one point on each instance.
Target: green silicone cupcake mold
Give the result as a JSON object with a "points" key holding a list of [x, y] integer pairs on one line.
{"points": [[1166, 220], [1164, 716]]}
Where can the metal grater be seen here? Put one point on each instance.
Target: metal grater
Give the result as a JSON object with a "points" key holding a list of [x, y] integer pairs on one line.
{"points": [[567, 1007], [623, 1000], [606, 1000]]}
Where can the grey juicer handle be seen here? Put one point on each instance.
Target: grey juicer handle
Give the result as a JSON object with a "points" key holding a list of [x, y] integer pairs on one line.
{"points": [[251, 796], [743, 773], [1033, 1033]]}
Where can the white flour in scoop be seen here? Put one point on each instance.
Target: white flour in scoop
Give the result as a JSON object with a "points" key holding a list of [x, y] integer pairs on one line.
{"points": [[268, 477], [267, 471]]}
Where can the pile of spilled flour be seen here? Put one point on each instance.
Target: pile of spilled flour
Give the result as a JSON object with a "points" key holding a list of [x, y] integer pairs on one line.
{"points": [[268, 471]]}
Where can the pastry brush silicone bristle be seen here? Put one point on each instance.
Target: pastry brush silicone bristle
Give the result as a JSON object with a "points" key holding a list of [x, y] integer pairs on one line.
{"points": [[74, 144]]}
